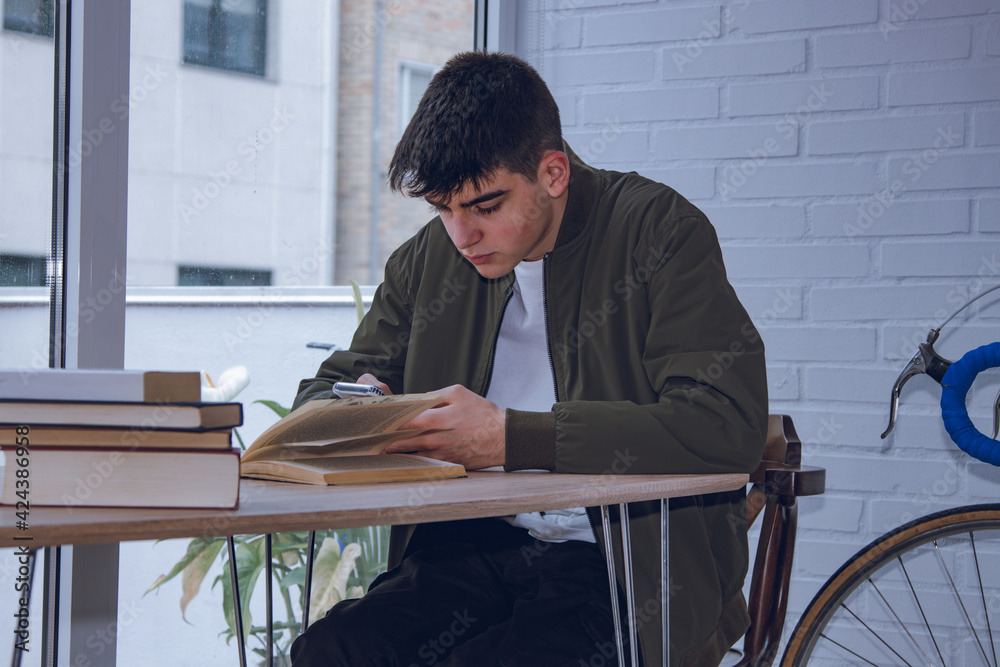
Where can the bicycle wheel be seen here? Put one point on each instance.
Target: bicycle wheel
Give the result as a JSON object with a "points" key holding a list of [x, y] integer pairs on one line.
{"points": [[926, 593]]}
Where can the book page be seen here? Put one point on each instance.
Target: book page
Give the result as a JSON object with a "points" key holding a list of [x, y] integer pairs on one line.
{"points": [[382, 462], [366, 445], [353, 469], [342, 419]]}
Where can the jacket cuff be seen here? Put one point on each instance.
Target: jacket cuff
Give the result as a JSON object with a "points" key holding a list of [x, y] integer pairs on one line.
{"points": [[530, 441]]}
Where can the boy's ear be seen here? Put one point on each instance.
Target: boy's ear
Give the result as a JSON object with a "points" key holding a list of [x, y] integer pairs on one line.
{"points": [[553, 173]]}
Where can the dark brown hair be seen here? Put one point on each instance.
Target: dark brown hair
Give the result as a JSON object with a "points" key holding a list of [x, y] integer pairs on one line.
{"points": [[481, 112]]}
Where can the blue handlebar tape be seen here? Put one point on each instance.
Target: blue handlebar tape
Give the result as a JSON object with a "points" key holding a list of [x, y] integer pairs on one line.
{"points": [[955, 387]]}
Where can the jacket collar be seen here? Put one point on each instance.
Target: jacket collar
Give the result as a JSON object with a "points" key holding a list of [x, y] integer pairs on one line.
{"points": [[581, 203]]}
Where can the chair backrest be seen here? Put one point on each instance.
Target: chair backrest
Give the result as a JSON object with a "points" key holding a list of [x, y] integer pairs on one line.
{"points": [[778, 481]]}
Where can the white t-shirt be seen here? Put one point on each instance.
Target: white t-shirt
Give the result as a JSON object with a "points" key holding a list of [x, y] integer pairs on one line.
{"points": [[522, 380]]}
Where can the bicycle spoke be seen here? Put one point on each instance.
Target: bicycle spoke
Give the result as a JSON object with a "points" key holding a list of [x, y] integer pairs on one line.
{"points": [[913, 591], [833, 641], [982, 593], [961, 604], [874, 634], [900, 622]]}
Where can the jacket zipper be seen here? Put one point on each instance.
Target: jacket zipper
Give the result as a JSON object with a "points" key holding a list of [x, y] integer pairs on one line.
{"points": [[545, 314], [496, 339]]}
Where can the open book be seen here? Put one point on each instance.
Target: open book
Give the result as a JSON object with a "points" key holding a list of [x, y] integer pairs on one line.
{"points": [[340, 441]]}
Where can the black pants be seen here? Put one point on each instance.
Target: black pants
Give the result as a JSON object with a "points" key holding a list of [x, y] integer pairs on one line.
{"points": [[470, 594]]}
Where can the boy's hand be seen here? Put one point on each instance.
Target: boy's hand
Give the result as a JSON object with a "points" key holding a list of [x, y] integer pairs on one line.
{"points": [[464, 428]]}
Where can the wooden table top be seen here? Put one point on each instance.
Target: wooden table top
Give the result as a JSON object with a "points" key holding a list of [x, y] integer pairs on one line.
{"points": [[271, 507]]}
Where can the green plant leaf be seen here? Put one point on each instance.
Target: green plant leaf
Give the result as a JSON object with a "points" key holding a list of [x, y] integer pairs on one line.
{"points": [[294, 577], [292, 547], [195, 548], [280, 410], [195, 573]]}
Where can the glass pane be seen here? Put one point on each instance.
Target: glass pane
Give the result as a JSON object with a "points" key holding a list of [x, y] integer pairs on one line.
{"points": [[226, 34], [202, 276], [26, 119], [31, 16], [26, 70], [250, 203]]}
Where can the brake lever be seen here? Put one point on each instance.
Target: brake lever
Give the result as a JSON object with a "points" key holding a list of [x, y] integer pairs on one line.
{"points": [[925, 360], [915, 367]]}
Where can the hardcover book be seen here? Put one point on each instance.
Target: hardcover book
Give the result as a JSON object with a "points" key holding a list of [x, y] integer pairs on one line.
{"points": [[115, 478], [85, 437], [59, 384], [181, 416]]}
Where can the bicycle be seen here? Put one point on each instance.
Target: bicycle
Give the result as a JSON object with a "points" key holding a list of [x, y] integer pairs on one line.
{"points": [[870, 611]]}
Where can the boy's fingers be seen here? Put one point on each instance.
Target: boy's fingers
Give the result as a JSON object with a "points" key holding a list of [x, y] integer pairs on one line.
{"points": [[368, 378]]}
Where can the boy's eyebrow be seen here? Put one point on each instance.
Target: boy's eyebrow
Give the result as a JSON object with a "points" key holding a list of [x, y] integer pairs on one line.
{"points": [[486, 196]]}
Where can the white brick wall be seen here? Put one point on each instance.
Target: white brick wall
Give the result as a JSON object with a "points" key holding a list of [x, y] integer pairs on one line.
{"points": [[849, 155]]}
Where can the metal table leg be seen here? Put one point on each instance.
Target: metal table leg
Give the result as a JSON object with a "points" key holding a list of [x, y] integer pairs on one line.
{"points": [[665, 576], [309, 576], [609, 557], [267, 589], [629, 586], [237, 609]]}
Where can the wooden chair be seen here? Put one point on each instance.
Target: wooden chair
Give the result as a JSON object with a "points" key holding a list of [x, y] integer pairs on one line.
{"points": [[778, 481]]}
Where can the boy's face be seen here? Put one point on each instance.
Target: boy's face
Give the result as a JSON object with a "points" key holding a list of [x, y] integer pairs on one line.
{"points": [[509, 219]]}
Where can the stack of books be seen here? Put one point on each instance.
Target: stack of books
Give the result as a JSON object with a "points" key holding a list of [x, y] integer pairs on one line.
{"points": [[115, 438]]}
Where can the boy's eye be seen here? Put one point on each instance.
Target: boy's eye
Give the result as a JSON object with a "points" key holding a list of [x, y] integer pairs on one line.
{"points": [[488, 209]]}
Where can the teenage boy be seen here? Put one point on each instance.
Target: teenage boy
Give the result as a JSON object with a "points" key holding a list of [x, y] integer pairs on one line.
{"points": [[573, 320]]}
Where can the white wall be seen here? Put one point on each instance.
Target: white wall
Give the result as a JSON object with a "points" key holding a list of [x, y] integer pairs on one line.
{"points": [[848, 154]]}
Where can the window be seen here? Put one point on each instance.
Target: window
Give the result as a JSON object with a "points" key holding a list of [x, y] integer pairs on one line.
{"points": [[31, 16], [226, 34], [234, 183], [22, 271], [413, 81], [209, 276]]}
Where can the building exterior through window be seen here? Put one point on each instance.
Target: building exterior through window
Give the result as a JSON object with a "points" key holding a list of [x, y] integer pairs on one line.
{"points": [[260, 133]]}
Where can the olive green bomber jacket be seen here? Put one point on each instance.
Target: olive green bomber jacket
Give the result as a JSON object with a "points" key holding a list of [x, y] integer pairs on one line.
{"points": [[657, 367]]}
